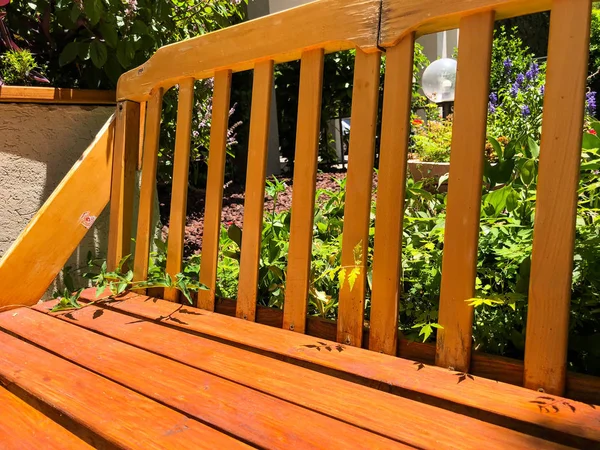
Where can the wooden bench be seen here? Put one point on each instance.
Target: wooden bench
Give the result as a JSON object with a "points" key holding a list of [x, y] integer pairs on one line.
{"points": [[142, 371]]}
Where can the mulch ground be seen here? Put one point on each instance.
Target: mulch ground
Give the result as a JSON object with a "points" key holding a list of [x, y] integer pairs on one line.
{"points": [[233, 206]]}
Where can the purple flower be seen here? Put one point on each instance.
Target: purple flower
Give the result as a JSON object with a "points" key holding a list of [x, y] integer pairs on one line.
{"points": [[543, 90], [493, 98], [533, 72], [525, 111], [514, 90], [520, 80], [590, 101], [507, 65], [491, 108]]}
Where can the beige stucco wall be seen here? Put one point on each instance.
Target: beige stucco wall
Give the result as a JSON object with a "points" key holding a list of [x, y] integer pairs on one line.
{"points": [[38, 146]]}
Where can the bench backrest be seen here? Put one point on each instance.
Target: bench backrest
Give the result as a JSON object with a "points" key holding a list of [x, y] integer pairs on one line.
{"points": [[307, 33]]}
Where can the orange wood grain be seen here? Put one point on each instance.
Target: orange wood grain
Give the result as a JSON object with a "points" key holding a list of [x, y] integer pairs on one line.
{"points": [[99, 411], [179, 189], [549, 304], [303, 199], [262, 91], [461, 237], [123, 182], [387, 253], [358, 405], [63, 96], [252, 416], [517, 405], [22, 427], [144, 233], [214, 189], [365, 97]]}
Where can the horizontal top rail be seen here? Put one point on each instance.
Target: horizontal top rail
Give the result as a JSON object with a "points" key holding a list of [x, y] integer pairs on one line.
{"points": [[400, 17], [333, 25], [330, 24], [30, 94]]}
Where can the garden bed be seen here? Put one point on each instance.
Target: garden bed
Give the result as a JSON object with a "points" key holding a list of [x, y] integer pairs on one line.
{"points": [[233, 205]]}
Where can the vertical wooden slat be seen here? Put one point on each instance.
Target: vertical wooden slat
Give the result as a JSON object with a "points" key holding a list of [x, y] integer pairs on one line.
{"points": [[359, 183], [454, 340], [144, 226], [181, 166], [255, 189], [214, 188], [556, 205], [303, 199], [387, 257], [123, 182]]}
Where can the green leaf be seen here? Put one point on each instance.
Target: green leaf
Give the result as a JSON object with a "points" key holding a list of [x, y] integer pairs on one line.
{"points": [[75, 12], [443, 179], [121, 287], [93, 10], [527, 172], [109, 33], [497, 148], [590, 141], [510, 150], [497, 199], [68, 54], [512, 200], [235, 234], [122, 55], [534, 148], [98, 53]]}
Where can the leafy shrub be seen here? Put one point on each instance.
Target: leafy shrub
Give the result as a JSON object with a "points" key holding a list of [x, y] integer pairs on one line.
{"points": [[16, 67], [90, 43], [431, 140]]}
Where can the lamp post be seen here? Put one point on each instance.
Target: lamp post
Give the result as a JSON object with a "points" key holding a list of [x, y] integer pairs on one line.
{"points": [[439, 83]]}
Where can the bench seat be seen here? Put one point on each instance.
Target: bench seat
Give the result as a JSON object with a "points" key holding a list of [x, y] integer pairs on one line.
{"points": [[194, 379]]}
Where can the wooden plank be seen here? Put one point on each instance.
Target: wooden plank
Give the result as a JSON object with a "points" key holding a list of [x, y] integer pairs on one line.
{"points": [[583, 388], [400, 17], [387, 254], [97, 410], [255, 189], [355, 244], [29, 94], [358, 405], [500, 403], [330, 24], [150, 159], [214, 188], [556, 204], [179, 190], [43, 248], [303, 199], [461, 236], [123, 182], [254, 417], [22, 426]]}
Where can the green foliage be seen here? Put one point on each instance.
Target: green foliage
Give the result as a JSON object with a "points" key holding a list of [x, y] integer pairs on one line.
{"points": [[431, 140], [90, 43], [508, 46], [16, 66], [338, 82], [68, 301]]}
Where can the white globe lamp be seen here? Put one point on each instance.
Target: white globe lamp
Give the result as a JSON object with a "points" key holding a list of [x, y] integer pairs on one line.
{"points": [[439, 81]]}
